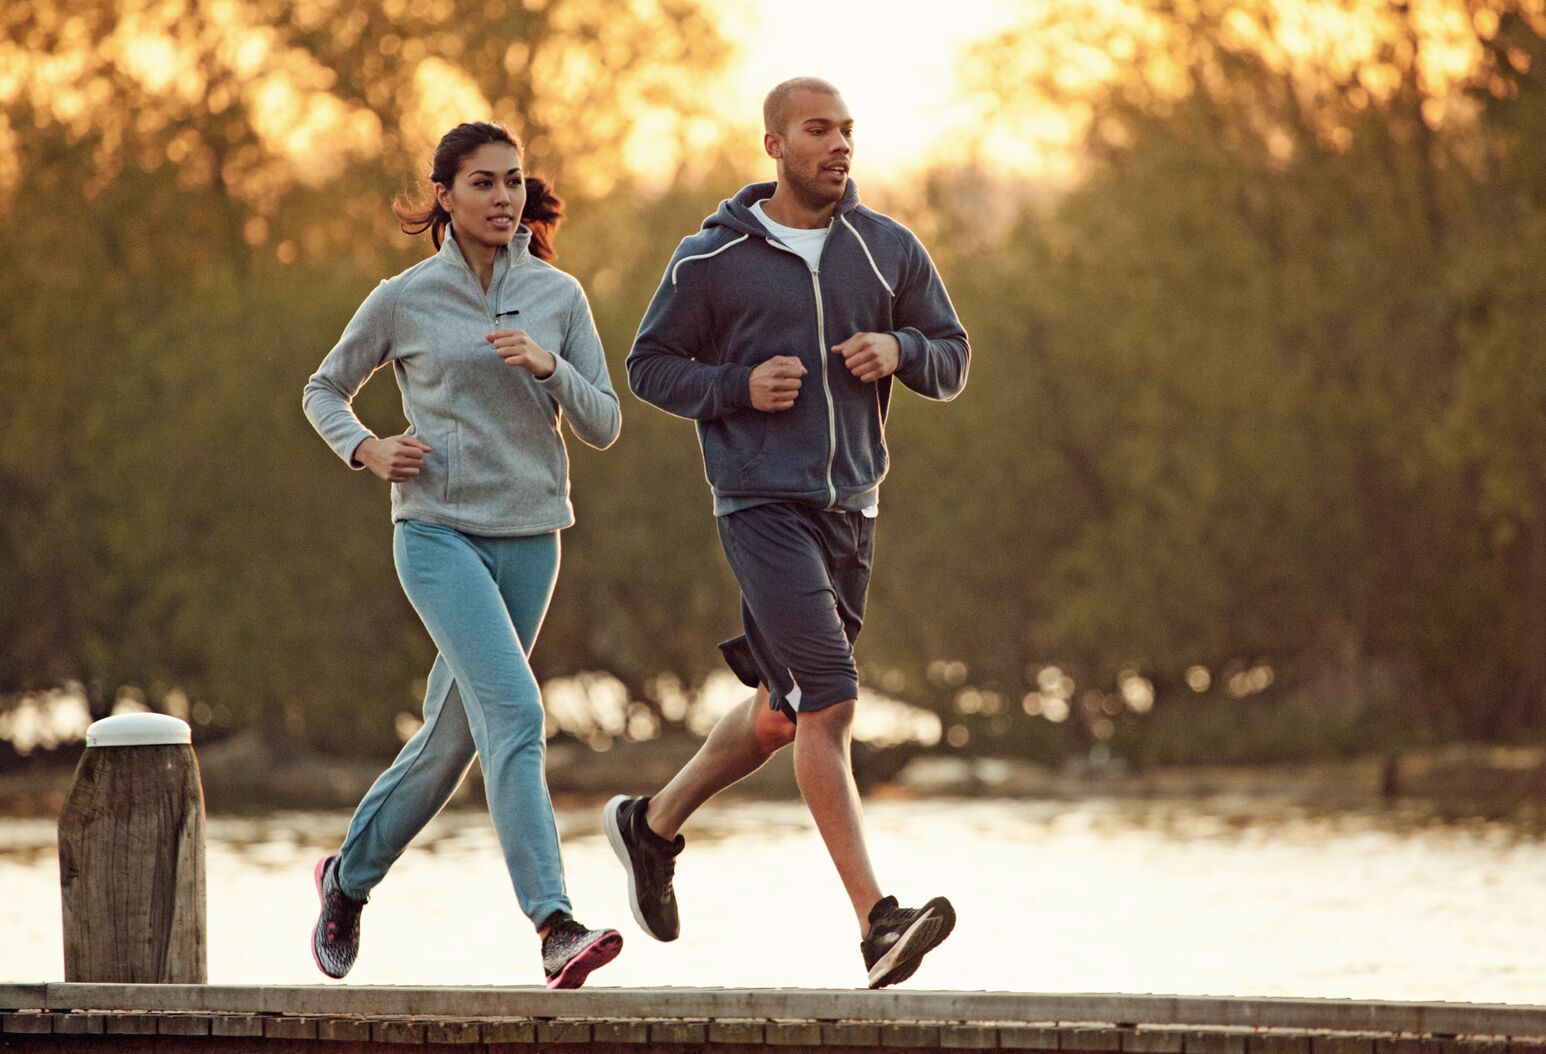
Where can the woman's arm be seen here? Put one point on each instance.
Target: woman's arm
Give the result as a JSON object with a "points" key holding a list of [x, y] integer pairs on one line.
{"points": [[580, 381], [366, 345]]}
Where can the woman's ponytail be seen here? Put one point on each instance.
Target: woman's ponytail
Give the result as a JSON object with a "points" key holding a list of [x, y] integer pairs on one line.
{"points": [[418, 220], [543, 212]]}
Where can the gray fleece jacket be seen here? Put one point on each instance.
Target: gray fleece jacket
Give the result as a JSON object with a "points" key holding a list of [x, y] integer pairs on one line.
{"points": [[498, 466]]}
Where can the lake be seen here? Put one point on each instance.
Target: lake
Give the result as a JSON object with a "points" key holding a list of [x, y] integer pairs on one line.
{"points": [[1225, 897]]}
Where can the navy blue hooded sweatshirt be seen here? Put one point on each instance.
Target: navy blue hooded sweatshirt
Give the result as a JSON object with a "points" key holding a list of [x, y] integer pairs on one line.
{"points": [[734, 296]]}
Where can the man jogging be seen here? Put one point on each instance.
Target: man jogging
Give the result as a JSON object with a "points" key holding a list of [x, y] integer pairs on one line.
{"points": [[778, 328]]}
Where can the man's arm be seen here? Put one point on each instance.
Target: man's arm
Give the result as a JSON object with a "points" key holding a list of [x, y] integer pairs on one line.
{"points": [[663, 368], [933, 352]]}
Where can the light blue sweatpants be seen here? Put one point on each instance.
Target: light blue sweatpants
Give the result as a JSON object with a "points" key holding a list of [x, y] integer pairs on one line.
{"points": [[482, 600]]}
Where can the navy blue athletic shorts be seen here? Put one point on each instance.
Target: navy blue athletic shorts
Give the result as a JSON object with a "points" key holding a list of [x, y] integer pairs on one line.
{"points": [[804, 573]]}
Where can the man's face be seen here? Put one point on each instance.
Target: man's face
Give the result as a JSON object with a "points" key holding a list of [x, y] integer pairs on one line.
{"points": [[815, 147]]}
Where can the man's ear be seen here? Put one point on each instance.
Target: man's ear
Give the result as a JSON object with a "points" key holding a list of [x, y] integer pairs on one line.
{"points": [[774, 145]]}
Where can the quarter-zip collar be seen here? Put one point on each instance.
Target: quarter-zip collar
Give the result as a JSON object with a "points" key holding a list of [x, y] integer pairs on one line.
{"points": [[506, 259]]}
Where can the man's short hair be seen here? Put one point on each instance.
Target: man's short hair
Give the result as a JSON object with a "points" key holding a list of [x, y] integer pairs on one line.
{"points": [[775, 108]]}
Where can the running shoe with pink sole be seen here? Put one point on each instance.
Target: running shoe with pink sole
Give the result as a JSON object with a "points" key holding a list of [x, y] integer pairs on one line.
{"points": [[335, 941], [570, 952]]}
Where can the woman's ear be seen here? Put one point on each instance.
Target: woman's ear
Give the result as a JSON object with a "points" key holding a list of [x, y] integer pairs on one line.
{"points": [[443, 197]]}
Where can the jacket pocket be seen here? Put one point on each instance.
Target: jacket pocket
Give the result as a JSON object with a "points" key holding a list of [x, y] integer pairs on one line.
{"points": [[453, 465], [732, 446], [753, 446], [791, 459]]}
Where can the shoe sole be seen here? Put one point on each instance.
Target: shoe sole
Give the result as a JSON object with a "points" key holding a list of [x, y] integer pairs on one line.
{"points": [[908, 969], [923, 936], [592, 957], [610, 820], [316, 875]]}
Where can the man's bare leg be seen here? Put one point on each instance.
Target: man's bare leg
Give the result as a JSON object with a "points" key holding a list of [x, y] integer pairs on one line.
{"points": [[643, 832], [736, 747], [823, 769]]}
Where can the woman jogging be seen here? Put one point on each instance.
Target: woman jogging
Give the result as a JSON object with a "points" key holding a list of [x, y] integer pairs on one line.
{"points": [[491, 346]]}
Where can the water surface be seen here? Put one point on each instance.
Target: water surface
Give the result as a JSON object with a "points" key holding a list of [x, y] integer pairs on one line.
{"points": [[1221, 898]]}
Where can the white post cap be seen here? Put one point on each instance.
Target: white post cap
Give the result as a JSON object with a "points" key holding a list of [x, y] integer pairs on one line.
{"points": [[138, 730]]}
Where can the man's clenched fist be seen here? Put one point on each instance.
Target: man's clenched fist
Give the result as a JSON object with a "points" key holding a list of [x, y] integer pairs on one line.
{"points": [[870, 356], [776, 383]]}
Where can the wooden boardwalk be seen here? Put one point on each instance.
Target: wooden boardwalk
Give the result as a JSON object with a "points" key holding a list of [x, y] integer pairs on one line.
{"points": [[334, 1019]]}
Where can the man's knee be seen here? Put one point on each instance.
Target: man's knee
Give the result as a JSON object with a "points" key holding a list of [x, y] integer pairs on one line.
{"points": [[830, 722], [773, 728]]}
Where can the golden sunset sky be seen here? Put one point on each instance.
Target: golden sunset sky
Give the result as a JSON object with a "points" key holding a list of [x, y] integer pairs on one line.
{"points": [[897, 64], [920, 95]]}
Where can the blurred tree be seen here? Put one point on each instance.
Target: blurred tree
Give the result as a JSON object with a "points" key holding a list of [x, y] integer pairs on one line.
{"points": [[1248, 320], [195, 196], [1497, 422], [1260, 392]]}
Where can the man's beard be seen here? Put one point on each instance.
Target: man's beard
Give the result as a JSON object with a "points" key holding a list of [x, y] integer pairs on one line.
{"points": [[814, 192]]}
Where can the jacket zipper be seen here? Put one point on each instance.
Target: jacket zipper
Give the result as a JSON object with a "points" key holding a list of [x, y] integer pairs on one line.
{"points": [[496, 288], [826, 387], [488, 305]]}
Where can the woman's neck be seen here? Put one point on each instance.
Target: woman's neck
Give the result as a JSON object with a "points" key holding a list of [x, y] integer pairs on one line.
{"points": [[480, 258]]}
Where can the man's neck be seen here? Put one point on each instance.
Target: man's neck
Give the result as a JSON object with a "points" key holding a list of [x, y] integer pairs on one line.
{"points": [[783, 207]]}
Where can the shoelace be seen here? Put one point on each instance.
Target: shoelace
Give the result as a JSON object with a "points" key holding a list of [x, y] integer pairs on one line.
{"points": [[665, 858], [566, 931], [340, 907], [895, 918]]}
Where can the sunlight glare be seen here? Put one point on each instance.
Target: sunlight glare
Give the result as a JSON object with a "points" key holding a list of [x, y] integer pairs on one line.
{"points": [[897, 72], [152, 59], [445, 96]]}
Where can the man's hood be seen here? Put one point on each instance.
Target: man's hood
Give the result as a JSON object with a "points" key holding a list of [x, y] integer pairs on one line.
{"points": [[736, 213]]}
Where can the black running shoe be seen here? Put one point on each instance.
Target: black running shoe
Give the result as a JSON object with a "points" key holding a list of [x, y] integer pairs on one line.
{"points": [[650, 861], [899, 937], [570, 952], [336, 939]]}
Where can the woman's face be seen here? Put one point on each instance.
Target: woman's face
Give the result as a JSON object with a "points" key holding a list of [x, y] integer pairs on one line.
{"points": [[486, 197]]}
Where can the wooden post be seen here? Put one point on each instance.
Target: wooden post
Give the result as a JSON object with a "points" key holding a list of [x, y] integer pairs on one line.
{"points": [[131, 856]]}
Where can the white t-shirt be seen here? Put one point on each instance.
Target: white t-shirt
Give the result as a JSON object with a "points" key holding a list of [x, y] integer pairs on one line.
{"points": [[805, 241]]}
